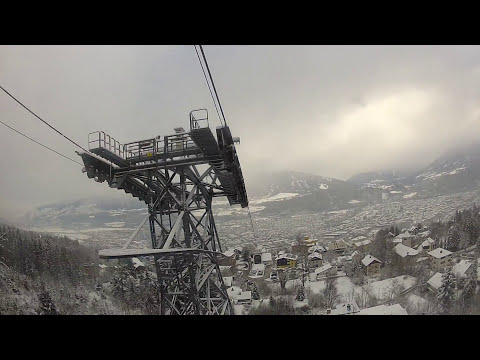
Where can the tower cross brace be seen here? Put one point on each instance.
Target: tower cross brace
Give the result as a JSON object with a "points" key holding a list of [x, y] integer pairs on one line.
{"points": [[177, 176]]}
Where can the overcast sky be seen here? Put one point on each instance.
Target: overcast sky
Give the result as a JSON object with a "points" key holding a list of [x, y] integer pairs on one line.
{"points": [[328, 110]]}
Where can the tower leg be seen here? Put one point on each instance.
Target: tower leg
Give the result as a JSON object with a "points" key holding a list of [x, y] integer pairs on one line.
{"points": [[189, 283]]}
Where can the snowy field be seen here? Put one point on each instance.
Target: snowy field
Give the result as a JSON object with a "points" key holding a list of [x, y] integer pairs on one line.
{"points": [[416, 304], [383, 289], [278, 197], [346, 289]]}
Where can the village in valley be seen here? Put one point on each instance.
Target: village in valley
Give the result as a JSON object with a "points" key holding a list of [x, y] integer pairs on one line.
{"points": [[395, 272]]}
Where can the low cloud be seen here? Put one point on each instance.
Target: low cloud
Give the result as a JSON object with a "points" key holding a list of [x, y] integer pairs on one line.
{"points": [[329, 110]]}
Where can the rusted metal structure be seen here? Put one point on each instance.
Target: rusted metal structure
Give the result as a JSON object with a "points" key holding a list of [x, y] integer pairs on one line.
{"points": [[177, 176]]}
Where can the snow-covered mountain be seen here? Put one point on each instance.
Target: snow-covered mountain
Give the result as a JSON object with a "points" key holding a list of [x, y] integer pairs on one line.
{"points": [[288, 192], [456, 171], [308, 192], [382, 178], [98, 212]]}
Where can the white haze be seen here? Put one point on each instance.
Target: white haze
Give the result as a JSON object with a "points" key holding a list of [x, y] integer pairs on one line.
{"points": [[328, 110]]}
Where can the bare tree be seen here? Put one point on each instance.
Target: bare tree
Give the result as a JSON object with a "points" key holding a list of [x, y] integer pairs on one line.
{"points": [[282, 277], [330, 293], [394, 290]]}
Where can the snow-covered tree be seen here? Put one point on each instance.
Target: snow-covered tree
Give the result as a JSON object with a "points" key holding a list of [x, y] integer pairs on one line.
{"points": [[477, 249], [282, 277], [470, 286], [300, 294], [271, 300], [358, 276], [446, 292], [47, 307], [453, 238], [330, 292], [255, 294]]}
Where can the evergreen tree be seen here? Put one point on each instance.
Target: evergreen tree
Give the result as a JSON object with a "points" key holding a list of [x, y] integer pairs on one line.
{"points": [[300, 294], [453, 238], [246, 254], [47, 307], [446, 293], [255, 294], [470, 285], [477, 249], [472, 228]]}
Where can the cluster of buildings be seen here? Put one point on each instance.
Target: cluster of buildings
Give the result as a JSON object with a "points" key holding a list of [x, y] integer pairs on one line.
{"points": [[461, 270], [277, 230], [329, 259]]}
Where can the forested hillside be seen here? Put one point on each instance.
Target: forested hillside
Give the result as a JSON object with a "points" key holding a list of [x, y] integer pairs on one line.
{"points": [[45, 274]]}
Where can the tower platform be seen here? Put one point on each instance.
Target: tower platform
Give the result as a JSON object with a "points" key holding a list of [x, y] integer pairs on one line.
{"points": [[177, 176]]}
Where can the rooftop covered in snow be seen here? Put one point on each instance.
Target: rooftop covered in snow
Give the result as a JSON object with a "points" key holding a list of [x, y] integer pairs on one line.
{"points": [[461, 268], [323, 268], [439, 253], [435, 281], [395, 309], [428, 242], [367, 260], [405, 251]]}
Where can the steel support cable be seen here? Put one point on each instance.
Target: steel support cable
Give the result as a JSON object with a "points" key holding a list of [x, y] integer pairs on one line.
{"points": [[46, 123], [46, 147], [213, 84], [208, 84]]}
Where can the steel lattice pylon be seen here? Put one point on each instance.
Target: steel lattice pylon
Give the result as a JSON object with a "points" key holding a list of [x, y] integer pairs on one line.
{"points": [[190, 283], [177, 176]]}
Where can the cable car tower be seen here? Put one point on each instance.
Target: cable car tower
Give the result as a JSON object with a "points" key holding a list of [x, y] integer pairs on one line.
{"points": [[177, 176]]}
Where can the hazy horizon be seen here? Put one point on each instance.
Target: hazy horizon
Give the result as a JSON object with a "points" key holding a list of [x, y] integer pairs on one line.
{"points": [[334, 111]]}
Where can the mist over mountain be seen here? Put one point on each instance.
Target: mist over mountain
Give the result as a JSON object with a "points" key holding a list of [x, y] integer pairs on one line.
{"points": [[285, 192], [390, 176]]}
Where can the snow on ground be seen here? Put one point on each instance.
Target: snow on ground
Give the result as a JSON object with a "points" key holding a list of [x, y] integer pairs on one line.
{"points": [[346, 289], [323, 186], [239, 309], [344, 211], [232, 211], [115, 224], [71, 234], [383, 289], [262, 302], [395, 309], [432, 175], [107, 229], [354, 201], [299, 304], [278, 197], [226, 212], [453, 172], [408, 196], [416, 304]]}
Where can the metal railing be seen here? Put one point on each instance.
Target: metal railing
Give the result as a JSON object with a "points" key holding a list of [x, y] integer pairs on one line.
{"points": [[171, 145], [197, 118], [98, 139]]}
